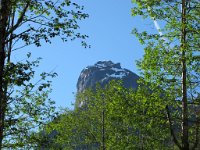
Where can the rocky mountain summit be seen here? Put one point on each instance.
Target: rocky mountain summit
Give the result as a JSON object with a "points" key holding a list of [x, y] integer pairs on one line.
{"points": [[103, 72]]}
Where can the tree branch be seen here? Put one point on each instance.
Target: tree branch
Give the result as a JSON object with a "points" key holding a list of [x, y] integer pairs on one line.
{"points": [[171, 128], [21, 18]]}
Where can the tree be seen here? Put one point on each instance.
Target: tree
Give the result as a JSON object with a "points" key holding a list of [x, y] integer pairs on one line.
{"points": [[87, 126], [23, 23], [69, 130], [113, 117], [171, 62], [28, 104]]}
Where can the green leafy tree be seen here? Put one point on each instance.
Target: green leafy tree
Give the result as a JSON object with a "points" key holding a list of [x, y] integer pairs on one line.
{"points": [[23, 23], [130, 119], [70, 130], [60, 133], [28, 104], [112, 118], [171, 62]]}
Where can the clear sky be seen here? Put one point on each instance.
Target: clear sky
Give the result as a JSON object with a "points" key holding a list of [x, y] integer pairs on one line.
{"points": [[109, 28]]}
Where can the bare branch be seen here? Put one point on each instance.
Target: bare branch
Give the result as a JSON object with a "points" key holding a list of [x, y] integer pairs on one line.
{"points": [[171, 128], [19, 21]]}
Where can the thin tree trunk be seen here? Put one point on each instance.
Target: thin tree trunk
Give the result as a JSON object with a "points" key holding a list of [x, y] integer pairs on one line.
{"points": [[103, 127], [185, 142]]}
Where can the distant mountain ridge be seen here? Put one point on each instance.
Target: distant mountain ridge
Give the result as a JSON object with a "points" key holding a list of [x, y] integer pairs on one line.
{"points": [[103, 72]]}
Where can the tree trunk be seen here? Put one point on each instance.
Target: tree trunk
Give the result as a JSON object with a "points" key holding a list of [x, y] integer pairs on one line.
{"points": [[185, 142], [103, 127], [4, 12]]}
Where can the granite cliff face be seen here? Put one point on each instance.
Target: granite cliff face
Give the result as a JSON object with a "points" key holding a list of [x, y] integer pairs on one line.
{"points": [[103, 72]]}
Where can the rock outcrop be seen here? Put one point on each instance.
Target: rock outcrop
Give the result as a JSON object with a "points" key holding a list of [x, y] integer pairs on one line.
{"points": [[103, 72]]}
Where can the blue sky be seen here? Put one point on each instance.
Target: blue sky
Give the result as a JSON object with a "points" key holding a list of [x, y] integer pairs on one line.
{"points": [[109, 28]]}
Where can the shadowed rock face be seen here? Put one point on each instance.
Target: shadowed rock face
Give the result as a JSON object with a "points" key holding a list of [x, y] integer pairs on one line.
{"points": [[103, 72]]}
